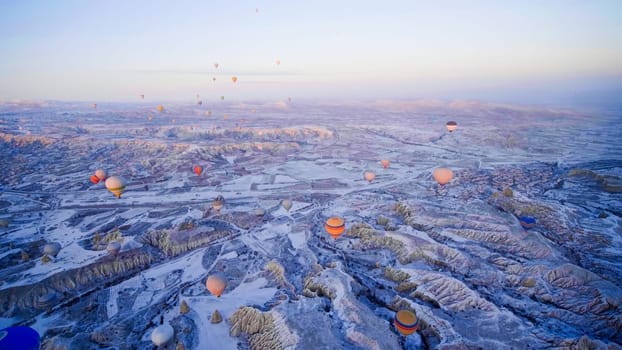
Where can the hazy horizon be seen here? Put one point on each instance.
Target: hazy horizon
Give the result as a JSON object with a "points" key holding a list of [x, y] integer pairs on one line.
{"points": [[561, 53]]}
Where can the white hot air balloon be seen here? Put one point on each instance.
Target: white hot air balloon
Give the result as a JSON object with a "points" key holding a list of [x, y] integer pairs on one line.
{"points": [[162, 335]]}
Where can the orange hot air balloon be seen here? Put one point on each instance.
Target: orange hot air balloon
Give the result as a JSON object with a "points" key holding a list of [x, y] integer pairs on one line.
{"points": [[385, 163], [369, 176], [234, 79], [406, 322], [198, 170], [215, 285], [443, 175], [94, 179], [451, 126], [101, 174], [225, 117], [160, 108], [335, 226]]}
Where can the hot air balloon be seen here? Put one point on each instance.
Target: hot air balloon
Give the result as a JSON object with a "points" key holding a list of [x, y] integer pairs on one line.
{"points": [[19, 338], [222, 98], [335, 226], [234, 79], [527, 222], [51, 249], [286, 204], [160, 108], [94, 179], [116, 185], [451, 126], [225, 117], [278, 62], [289, 99], [218, 203], [150, 117], [113, 248], [369, 176], [200, 102], [162, 335], [385, 163], [406, 322], [215, 285], [215, 65], [197, 170], [142, 96], [443, 175], [101, 174], [214, 79]]}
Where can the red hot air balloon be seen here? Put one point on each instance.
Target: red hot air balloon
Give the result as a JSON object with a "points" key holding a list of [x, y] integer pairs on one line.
{"points": [[94, 179], [198, 170]]}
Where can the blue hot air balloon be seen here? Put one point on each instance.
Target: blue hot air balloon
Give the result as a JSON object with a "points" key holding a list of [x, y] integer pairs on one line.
{"points": [[19, 338], [527, 222]]}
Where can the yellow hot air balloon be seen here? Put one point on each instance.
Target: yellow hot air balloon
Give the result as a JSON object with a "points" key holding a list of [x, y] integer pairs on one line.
{"points": [[443, 175], [116, 185], [451, 126], [335, 226], [215, 285], [160, 108], [369, 176], [287, 204], [234, 79], [406, 322]]}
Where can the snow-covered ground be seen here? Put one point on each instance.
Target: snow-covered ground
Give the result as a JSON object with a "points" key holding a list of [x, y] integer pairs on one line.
{"points": [[456, 255]]}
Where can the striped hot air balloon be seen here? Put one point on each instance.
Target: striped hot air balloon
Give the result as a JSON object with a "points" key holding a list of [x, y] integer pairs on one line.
{"points": [[406, 322], [335, 226], [116, 185]]}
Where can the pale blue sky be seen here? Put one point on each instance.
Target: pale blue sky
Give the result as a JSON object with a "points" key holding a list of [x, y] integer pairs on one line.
{"points": [[116, 50]]}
